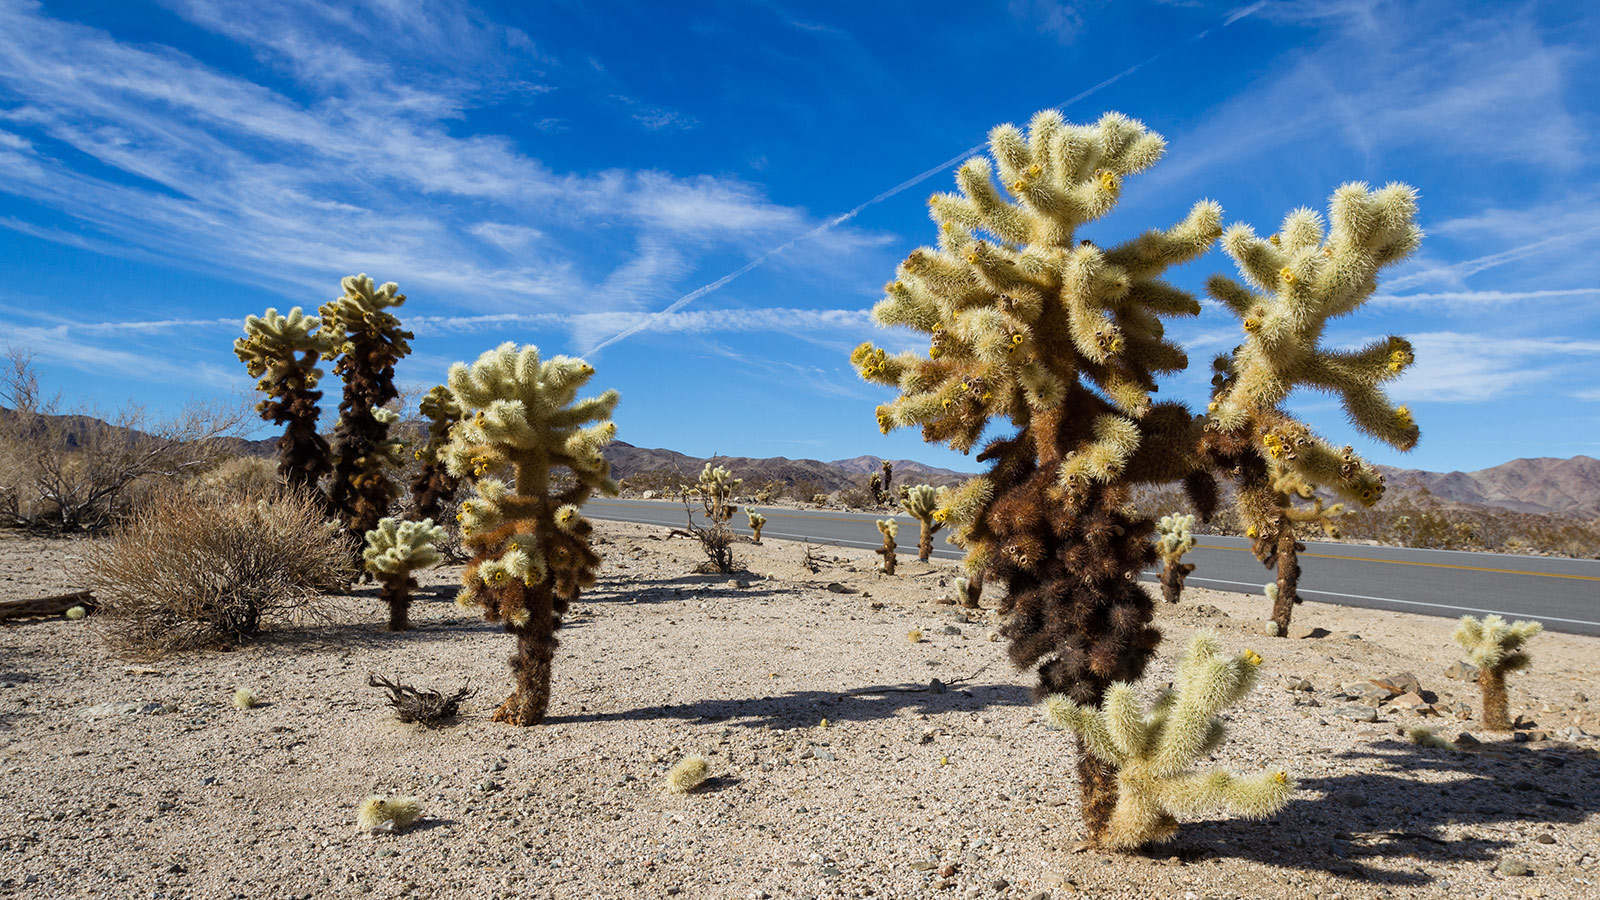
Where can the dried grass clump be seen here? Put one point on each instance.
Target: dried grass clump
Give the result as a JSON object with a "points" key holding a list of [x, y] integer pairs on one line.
{"points": [[190, 571], [429, 709], [239, 477]]}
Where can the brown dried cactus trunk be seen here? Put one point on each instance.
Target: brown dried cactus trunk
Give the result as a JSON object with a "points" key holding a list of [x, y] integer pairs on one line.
{"points": [[1496, 709], [973, 596], [397, 593], [361, 491], [756, 538], [925, 543], [1172, 577], [302, 452], [430, 488], [887, 551], [1098, 781], [1286, 554]]}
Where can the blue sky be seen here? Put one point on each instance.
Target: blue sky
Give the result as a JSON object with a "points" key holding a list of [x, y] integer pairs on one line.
{"points": [[586, 176]]}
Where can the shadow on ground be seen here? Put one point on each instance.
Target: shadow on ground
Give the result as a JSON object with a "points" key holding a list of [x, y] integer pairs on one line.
{"points": [[798, 708], [1385, 826]]}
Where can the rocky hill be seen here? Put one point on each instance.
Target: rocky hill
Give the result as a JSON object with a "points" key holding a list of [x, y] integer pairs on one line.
{"points": [[1542, 485]]}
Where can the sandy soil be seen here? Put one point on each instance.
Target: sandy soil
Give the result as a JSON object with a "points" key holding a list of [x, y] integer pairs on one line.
{"points": [[141, 780]]}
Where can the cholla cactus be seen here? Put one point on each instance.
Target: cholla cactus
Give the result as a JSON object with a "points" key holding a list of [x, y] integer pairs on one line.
{"points": [[716, 487], [531, 546], [380, 815], [1175, 539], [432, 485], [282, 353], [921, 503], [1303, 276], [889, 528], [1495, 647], [1062, 336], [878, 484], [757, 522], [394, 550], [1154, 751], [368, 342]]}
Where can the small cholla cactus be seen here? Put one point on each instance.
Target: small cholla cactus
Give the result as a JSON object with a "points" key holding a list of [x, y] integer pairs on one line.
{"points": [[77, 612], [1495, 647], [689, 773], [433, 486], [1174, 539], [1423, 736], [889, 528], [921, 503], [388, 814], [914, 635], [368, 341], [1154, 751], [531, 547], [394, 550], [716, 487], [969, 591], [757, 522], [282, 353], [244, 698]]}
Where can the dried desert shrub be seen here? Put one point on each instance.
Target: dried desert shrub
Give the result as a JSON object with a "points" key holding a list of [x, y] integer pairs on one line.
{"points": [[191, 570], [239, 477]]}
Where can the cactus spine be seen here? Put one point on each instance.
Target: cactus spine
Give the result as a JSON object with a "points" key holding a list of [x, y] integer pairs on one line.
{"points": [[1154, 750], [1303, 276], [433, 485], [1173, 541], [1063, 338], [394, 550], [369, 341], [531, 547], [757, 522], [889, 528], [921, 503], [1495, 646], [282, 353]]}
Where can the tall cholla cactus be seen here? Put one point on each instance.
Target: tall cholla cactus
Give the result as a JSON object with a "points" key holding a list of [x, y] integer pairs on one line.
{"points": [[1175, 540], [1495, 647], [369, 341], [1302, 277], [921, 503], [716, 489], [432, 485], [282, 352], [1154, 751], [394, 550], [757, 522], [890, 529], [531, 547], [1063, 337]]}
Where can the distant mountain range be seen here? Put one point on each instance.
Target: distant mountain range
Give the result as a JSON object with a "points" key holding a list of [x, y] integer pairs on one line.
{"points": [[1543, 485]]}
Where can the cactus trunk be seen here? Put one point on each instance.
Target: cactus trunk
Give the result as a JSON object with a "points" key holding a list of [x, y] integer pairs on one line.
{"points": [[1496, 708], [1172, 576], [925, 543], [530, 665], [974, 592], [757, 537], [1287, 554], [1097, 781], [397, 593]]}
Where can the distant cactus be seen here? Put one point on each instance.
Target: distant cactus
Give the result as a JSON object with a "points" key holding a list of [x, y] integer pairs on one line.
{"points": [[757, 522], [688, 774], [282, 353], [1154, 751], [76, 613], [1423, 736], [433, 485], [532, 553], [1495, 647], [1175, 539], [879, 483], [921, 503], [393, 551], [717, 486], [244, 698], [368, 341], [388, 814], [889, 528]]}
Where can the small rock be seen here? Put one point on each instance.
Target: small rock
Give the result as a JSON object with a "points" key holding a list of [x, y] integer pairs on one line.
{"points": [[1466, 741], [923, 865], [1299, 684], [1358, 713], [951, 629], [1409, 700], [1461, 670], [488, 785], [994, 636], [1545, 837], [825, 755], [999, 884], [1400, 683], [1461, 709], [838, 588], [948, 870], [1513, 867]]}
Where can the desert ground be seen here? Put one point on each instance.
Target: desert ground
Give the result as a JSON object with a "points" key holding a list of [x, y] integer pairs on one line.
{"points": [[931, 777]]}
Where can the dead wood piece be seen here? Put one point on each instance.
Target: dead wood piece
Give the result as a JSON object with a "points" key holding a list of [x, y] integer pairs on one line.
{"points": [[47, 606], [429, 709]]}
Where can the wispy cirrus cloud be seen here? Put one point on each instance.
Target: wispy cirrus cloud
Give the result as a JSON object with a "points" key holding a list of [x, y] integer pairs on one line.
{"points": [[1454, 367]]}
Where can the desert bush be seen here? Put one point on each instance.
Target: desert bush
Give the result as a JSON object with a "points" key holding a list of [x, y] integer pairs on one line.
{"points": [[83, 471], [238, 477], [663, 481], [190, 570], [804, 491], [858, 497]]}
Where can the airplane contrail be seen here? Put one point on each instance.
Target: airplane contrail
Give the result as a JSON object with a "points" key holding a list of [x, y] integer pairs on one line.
{"points": [[911, 182]]}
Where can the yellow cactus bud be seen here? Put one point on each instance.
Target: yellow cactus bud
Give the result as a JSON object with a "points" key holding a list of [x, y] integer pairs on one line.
{"points": [[1252, 532], [1281, 777], [1034, 171], [1018, 186], [1251, 657], [1252, 324], [1287, 274], [1275, 240]]}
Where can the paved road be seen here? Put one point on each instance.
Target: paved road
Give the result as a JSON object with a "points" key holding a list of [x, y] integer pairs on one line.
{"points": [[1564, 594]]}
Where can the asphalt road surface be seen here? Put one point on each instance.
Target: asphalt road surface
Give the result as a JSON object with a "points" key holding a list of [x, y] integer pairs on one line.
{"points": [[1564, 594]]}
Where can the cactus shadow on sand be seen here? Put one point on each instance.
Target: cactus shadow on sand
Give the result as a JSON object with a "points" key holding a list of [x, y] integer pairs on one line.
{"points": [[1385, 825], [805, 708]]}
